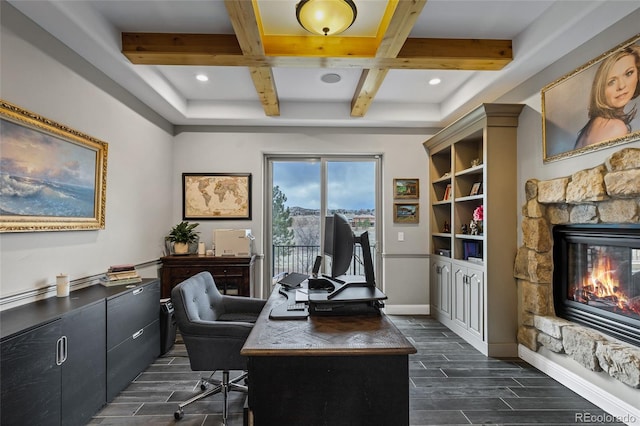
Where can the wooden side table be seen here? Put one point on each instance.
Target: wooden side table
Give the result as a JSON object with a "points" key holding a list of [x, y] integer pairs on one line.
{"points": [[232, 275]]}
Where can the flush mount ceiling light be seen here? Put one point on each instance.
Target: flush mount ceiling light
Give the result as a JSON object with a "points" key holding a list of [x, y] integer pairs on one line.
{"points": [[326, 17], [202, 77], [435, 81]]}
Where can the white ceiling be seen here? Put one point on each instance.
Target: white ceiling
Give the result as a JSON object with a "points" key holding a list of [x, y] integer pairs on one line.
{"points": [[542, 32]]}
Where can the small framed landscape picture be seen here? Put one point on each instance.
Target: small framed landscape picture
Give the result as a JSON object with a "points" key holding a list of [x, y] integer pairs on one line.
{"points": [[406, 188], [476, 189], [406, 212]]}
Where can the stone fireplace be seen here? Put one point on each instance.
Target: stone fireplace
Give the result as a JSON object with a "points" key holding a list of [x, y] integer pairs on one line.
{"points": [[604, 197], [596, 277]]}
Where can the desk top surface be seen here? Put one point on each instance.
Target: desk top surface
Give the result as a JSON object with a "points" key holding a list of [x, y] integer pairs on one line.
{"points": [[324, 335]]}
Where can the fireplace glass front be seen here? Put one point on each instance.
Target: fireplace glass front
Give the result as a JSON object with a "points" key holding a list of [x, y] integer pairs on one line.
{"points": [[597, 278]]}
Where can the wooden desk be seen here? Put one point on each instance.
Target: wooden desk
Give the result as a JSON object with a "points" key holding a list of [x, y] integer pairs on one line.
{"points": [[232, 275], [334, 371]]}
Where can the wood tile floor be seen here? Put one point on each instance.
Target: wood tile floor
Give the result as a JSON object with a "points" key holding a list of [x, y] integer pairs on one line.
{"points": [[450, 384]]}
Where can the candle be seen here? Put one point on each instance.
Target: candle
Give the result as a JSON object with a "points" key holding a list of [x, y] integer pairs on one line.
{"points": [[62, 285], [201, 249]]}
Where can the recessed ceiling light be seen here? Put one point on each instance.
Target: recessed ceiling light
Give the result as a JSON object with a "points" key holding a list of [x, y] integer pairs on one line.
{"points": [[435, 81], [202, 77], [331, 78]]}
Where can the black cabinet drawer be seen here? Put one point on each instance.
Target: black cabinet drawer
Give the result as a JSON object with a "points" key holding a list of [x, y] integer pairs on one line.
{"points": [[131, 311], [133, 355]]}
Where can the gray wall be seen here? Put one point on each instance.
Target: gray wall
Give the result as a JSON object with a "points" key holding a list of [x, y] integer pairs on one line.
{"points": [[405, 274], [43, 76]]}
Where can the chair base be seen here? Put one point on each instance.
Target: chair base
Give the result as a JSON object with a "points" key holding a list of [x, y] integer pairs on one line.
{"points": [[225, 386]]}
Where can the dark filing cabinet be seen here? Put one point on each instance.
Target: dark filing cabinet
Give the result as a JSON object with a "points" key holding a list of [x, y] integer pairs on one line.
{"points": [[62, 359], [133, 335]]}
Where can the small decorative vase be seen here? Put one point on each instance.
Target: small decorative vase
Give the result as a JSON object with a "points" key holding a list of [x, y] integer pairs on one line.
{"points": [[180, 248]]}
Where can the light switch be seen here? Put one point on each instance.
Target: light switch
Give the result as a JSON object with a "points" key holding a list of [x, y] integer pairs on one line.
{"points": [[400, 236]]}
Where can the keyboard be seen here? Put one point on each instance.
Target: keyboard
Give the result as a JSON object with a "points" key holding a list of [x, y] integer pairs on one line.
{"points": [[296, 306], [293, 279]]}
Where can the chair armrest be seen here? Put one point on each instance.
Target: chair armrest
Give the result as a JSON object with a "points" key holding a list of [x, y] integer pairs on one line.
{"points": [[215, 329], [249, 305]]}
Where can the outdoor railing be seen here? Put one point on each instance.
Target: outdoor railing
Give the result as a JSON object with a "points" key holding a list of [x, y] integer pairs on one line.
{"points": [[301, 258]]}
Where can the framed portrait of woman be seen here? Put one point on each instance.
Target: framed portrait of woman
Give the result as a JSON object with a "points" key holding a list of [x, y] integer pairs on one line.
{"points": [[595, 106]]}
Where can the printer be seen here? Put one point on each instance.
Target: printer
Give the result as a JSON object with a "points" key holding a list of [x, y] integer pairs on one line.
{"points": [[233, 242]]}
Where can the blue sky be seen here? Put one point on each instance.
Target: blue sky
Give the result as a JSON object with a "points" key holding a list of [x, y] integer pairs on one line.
{"points": [[351, 184]]}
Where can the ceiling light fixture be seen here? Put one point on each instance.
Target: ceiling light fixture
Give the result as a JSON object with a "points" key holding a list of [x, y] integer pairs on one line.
{"points": [[434, 81], [202, 77], [326, 17]]}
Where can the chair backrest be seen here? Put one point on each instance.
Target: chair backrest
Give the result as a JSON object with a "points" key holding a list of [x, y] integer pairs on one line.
{"points": [[211, 344], [200, 298]]}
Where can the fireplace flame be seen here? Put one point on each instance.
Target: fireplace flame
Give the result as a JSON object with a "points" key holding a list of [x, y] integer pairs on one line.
{"points": [[602, 289]]}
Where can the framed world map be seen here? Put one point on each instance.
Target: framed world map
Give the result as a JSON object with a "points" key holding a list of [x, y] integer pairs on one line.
{"points": [[216, 196]]}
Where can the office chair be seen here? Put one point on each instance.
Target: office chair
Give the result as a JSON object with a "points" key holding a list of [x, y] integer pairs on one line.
{"points": [[214, 328]]}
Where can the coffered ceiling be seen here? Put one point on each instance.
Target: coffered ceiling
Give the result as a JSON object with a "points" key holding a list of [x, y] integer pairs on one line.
{"points": [[263, 69]]}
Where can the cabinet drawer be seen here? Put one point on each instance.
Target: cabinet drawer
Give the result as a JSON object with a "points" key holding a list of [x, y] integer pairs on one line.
{"points": [[129, 312], [227, 271], [129, 358], [186, 272]]}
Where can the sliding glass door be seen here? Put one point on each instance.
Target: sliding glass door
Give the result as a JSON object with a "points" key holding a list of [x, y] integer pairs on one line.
{"points": [[305, 189]]}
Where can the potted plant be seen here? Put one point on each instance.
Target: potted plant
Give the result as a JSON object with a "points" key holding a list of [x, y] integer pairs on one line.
{"points": [[182, 237]]}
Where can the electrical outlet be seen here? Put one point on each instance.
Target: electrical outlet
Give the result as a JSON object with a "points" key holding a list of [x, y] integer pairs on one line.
{"points": [[400, 236]]}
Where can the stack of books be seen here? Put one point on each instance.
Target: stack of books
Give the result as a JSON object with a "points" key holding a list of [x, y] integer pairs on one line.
{"points": [[119, 275]]}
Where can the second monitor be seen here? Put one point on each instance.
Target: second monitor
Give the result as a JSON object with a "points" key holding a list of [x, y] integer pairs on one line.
{"points": [[340, 242]]}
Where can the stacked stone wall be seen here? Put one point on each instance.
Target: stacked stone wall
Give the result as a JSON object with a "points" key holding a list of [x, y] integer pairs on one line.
{"points": [[608, 193]]}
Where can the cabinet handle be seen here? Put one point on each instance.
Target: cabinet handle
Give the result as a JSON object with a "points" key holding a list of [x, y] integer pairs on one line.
{"points": [[138, 333], [65, 348], [61, 350], [138, 291]]}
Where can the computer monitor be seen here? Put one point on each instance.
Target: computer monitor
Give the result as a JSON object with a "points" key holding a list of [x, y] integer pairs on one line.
{"points": [[339, 244], [367, 261]]}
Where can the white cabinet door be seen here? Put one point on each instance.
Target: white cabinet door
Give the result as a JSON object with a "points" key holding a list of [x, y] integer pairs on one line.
{"points": [[475, 291], [468, 298], [441, 281], [460, 295]]}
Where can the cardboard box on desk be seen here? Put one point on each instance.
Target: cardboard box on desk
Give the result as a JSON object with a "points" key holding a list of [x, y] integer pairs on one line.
{"points": [[233, 242]]}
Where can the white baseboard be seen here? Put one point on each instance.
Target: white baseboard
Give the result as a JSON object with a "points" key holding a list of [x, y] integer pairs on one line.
{"points": [[620, 410], [407, 309]]}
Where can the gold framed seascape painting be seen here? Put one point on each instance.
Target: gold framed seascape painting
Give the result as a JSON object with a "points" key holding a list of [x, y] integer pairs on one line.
{"points": [[216, 196], [595, 106], [52, 177]]}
